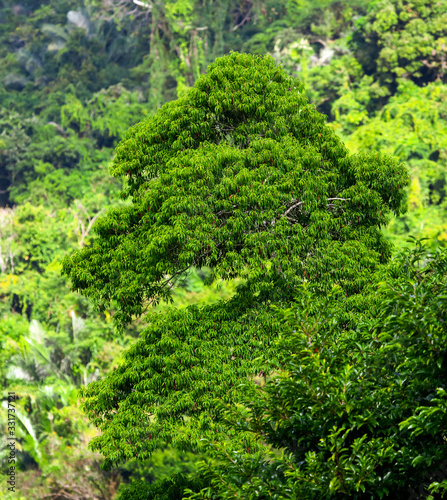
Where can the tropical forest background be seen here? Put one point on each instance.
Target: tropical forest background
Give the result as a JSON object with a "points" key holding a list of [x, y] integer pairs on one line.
{"points": [[74, 76]]}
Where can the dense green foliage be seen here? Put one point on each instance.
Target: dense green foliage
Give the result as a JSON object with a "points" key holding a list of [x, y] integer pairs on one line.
{"points": [[75, 76], [167, 489], [371, 427], [412, 126], [238, 173], [403, 39]]}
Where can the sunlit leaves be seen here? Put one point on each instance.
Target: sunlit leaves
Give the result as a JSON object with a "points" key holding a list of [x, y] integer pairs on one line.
{"points": [[211, 187]]}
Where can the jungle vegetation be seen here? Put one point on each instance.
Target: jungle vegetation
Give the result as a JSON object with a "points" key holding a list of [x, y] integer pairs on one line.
{"points": [[147, 162]]}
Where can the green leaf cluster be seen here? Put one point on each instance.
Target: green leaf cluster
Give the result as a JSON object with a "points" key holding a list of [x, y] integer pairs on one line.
{"points": [[242, 175], [403, 39]]}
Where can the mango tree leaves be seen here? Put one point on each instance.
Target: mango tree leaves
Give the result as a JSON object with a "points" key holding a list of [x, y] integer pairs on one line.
{"points": [[243, 176]]}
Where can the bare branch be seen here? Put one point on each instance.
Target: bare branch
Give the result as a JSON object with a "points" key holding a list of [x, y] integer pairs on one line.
{"points": [[197, 29], [61, 130], [292, 207], [246, 19], [319, 40], [2, 262], [81, 226], [90, 224], [142, 4], [171, 283], [11, 258]]}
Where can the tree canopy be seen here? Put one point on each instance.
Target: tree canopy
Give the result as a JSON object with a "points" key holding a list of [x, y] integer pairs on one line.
{"points": [[243, 175]]}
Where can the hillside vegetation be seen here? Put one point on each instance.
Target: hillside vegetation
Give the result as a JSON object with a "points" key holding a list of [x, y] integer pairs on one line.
{"points": [[75, 77]]}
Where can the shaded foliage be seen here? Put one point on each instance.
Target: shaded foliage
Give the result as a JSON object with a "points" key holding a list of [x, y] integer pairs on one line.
{"points": [[368, 428]]}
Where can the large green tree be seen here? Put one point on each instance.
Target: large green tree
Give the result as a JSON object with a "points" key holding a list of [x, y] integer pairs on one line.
{"points": [[240, 174]]}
